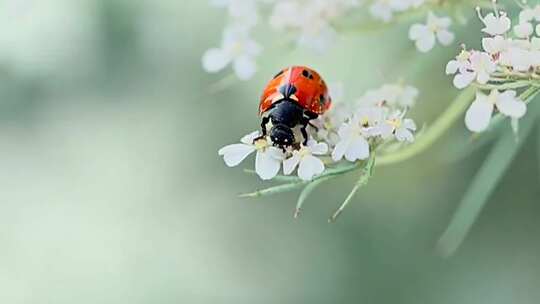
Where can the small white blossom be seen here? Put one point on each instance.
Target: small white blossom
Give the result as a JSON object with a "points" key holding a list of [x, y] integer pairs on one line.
{"points": [[530, 14], [385, 9], [436, 29], [479, 113], [390, 94], [382, 10], [495, 45], [461, 63], [480, 67], [267, 161], [353, 142], [236, 48], [523, 30], [243, 11], [328, 124], [495, 24], [401, 128], [311, 19], [308, 164]]}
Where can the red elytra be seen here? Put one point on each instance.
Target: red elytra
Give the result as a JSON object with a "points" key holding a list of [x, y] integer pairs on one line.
{"points": [[311, 90]]}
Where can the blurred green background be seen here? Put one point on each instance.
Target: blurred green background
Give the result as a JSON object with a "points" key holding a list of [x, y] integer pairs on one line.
{"points": [[111, 189]]}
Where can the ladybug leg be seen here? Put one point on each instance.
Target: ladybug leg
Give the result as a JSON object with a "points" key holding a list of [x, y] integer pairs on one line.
{"points": [[305, 122], [304, 134], [264, 122], [314, 127]]}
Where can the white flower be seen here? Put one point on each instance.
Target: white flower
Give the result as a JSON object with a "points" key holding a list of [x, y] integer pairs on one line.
{"points": [[267, 161], [435, 29], [480, 68], [521, 55], [352, 141], [495, 24], [382, 9], [308, 165], [402, 129], [530, 14], [479, 113], [312, 20], [461, 63], [328, 123], [243, 11], [369, 118], [390, 94], [385, 9], [495, 45], [236, 48], [523, 30]]}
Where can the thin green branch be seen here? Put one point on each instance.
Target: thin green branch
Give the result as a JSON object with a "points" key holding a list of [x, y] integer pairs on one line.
{"points": [[507, 86], [275, 189], [365, 175]]}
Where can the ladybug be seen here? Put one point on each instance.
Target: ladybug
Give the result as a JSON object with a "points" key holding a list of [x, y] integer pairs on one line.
{"points": [[295, 96]]}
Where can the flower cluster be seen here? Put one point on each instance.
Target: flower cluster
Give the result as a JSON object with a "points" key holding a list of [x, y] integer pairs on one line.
{"points": [[509, 60], [386, 9], [311, 20], [314, 24], [343, 132], [237, 46]]}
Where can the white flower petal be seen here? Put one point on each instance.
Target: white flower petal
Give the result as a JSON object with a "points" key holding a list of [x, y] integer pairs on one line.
{"points": [[418, 31], [339, 150], [409, 124], [266, 166], [523, 30], [478, 116], [235, 154], [319, 148], [244, 67], [249, 138], [309, 167], [452, 67], [290, 163], [426, 43], [445, 37], [463, 80], [214, 60], [358, 149], [482, 77], [496, 25], [509, 105], [402, 134]]}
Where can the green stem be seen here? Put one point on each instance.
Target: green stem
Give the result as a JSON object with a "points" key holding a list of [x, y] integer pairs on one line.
{"points": [[506, 86], [365, 175], [274, 190], [439, 127]]}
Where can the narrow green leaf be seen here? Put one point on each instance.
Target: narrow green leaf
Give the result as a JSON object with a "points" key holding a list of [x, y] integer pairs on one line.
{"points": [[538, 147], [484, 183]]}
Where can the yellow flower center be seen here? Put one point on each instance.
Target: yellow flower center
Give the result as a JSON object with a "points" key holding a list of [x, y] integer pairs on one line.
{"points": [[261, 144], [304, 152], [237, 48], [396, 122]]}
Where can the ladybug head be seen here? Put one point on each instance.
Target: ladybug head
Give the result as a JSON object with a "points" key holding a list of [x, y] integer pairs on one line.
{"points": [[282, 136]]}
